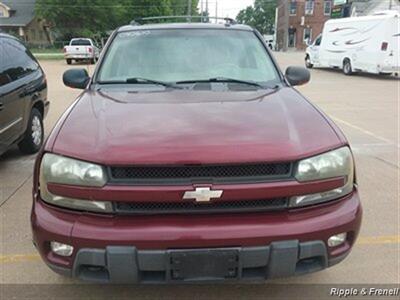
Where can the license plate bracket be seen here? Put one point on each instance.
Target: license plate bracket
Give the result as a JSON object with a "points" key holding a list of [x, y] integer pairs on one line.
{"points": [[203, 264]]}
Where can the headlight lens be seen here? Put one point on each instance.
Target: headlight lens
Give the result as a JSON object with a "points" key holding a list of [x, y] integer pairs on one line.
{"points": [[336, 163], [64, 170]]}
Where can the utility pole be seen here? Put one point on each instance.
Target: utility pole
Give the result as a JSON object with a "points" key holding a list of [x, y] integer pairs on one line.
{"points": [[216, 11], [207, 7], [190, 10], [390, 4], [202, 11]]}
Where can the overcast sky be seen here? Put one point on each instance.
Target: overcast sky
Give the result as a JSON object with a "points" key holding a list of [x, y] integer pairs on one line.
{"points": [[227, 8]]}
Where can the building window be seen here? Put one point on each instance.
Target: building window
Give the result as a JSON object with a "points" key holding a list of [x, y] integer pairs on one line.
{"points": [[307, 35], [309, 7], [293, 8], [292, 38], [2, 12], [327, 7]]}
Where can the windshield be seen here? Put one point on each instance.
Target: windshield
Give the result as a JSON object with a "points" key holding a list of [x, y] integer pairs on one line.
{"points": [[176, 55]]}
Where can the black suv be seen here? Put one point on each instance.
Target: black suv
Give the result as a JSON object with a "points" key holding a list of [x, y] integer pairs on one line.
{"points": [[23, 97]]}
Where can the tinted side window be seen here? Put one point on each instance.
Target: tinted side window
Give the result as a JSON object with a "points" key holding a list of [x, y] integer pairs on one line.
{"points": [[4, 58], [18, 61], [318, 41]]}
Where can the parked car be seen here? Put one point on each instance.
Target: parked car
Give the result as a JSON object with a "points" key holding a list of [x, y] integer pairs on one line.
{"points": [[270, 40], [189, 156], [23, 97], [359, 44], [81, 49]]}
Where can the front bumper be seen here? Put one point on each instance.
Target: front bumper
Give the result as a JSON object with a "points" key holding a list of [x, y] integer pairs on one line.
{"points": [[128, 265], [137, 248]]}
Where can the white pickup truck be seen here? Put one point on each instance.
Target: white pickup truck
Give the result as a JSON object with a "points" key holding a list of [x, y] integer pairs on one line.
{"points": [[81, 49]]}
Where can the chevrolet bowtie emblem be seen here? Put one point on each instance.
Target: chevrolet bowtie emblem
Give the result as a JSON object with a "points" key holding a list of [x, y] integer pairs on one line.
{"points": [[202, 194]]}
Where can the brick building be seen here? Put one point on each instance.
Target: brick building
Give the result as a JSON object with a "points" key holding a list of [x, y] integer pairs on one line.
{"points": [[299, 21]]}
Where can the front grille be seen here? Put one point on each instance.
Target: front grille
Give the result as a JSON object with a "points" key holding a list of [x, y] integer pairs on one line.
{"points": [[209, 173], [193, 207]]}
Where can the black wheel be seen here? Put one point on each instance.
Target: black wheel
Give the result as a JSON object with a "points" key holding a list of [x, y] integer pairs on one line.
{"points": [[69, 61], [34, 134], [347, 68], [309, 65]]}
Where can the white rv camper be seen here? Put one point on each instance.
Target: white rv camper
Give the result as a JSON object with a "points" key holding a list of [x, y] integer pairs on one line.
{"points": [[360, 44]]}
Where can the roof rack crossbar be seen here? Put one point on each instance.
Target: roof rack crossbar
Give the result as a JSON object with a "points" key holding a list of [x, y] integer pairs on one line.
{"points": [[203, 19]]}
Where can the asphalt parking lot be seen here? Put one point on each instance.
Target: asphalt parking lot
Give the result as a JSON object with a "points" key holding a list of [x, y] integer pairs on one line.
{"points": [[365, 107]]}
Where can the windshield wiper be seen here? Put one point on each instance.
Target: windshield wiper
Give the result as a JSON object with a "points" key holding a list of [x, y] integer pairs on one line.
{"points": [[151, 81], [224, 79], [139, 80]]}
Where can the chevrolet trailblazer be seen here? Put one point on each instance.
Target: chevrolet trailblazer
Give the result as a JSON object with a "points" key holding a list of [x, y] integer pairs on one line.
{"points": [[188, 157]]}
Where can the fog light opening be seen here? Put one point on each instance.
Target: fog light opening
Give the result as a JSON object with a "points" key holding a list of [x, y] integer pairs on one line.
{"points": [[337, 240], [61, 249]]}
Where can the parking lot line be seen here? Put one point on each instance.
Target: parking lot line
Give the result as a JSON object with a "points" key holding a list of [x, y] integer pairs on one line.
{"points": [[19, 258], [367, 132], [371, 240]]}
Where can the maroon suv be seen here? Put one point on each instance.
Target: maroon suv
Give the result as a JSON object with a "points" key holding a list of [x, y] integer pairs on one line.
{"points": [[189, 156]]}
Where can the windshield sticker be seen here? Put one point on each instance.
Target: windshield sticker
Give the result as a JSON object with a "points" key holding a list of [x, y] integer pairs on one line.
{"points": [[133, 34]]}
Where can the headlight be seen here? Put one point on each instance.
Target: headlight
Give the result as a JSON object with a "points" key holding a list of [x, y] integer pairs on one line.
{"points": [[68, 171], [64, 170], [336, 163]]}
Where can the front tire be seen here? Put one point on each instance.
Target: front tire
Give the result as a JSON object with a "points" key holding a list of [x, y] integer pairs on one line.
{"points": [[347, 68], [69, 61], [34, 134], [309, 65]]}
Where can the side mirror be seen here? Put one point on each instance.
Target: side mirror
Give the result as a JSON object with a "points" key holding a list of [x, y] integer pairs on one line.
{"points": [[297, 75], [308, 42], [76, 78]]}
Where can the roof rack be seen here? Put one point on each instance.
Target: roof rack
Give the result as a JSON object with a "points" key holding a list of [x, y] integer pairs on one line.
{"points": [[203, 19]]}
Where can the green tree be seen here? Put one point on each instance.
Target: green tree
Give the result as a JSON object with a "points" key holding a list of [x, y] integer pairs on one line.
{"points": [[260, 16], [246, 16], [76, 17], [95, 17], [180, 7], [135, 9]]}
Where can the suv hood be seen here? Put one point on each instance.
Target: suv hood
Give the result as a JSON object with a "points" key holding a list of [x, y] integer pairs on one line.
{"points": [[193, 127]]}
